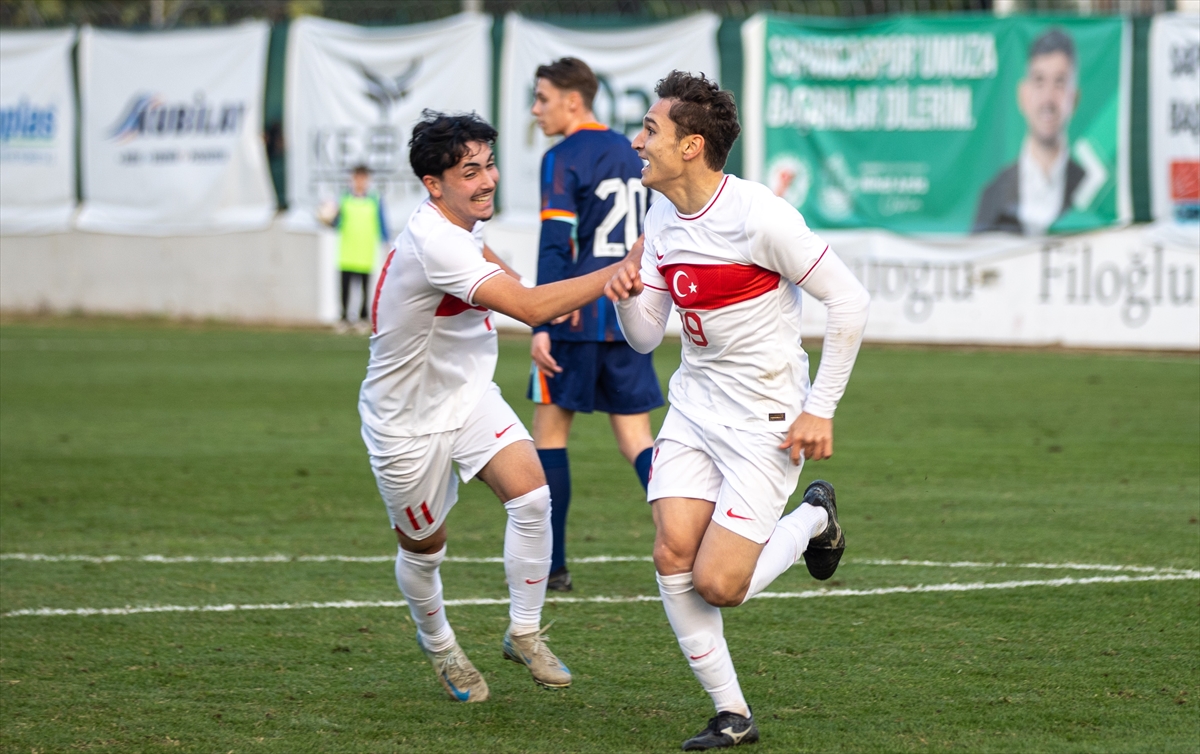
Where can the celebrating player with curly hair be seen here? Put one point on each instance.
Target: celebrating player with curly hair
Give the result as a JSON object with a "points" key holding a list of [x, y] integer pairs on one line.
{"points": [[428, 399], [733, 259]]}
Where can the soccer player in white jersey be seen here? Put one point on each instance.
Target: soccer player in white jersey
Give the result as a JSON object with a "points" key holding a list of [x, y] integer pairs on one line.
{"points": [[732, 257], [428, 399]]}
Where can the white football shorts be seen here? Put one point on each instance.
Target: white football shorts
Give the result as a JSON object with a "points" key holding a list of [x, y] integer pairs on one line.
{"points": [[745, 473], [417, 483]]}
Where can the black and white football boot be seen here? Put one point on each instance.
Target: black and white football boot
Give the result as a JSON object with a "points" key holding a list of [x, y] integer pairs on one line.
{"points": [[725, 730], [560, 580], [825, 550]]}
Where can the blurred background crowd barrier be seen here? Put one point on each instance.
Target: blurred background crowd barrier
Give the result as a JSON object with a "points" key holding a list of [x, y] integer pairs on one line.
{"points": [[170, 157]]}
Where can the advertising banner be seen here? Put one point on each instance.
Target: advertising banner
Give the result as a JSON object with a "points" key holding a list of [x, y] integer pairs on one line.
{"points": [[1175, 121], [628, 62], [352, 95], [37, 132], [945, 125], [1122, 288], [172, 131]]}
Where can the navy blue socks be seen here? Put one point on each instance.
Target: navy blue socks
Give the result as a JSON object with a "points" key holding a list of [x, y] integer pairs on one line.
{"points": [[558, 477], [642, 464]]}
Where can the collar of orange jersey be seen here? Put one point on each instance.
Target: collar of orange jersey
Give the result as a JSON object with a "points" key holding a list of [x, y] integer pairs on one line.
{"points": [[591, 126]]}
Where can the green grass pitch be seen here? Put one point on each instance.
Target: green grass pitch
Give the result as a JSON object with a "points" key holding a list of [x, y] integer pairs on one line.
{"points": [[956, 471]]}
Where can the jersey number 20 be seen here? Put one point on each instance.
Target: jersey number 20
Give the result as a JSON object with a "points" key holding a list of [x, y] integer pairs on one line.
{"points": [[629, 202]]}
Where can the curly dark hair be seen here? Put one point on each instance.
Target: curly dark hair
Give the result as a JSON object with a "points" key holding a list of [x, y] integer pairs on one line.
{"points": [[701, 107], [439, 140]]}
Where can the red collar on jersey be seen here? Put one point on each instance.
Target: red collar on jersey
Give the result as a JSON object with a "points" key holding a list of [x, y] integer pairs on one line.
{"points": [[708, 206]]}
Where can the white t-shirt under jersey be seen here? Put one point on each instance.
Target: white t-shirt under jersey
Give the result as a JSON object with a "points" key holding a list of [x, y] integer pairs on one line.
{"points": [[732, 270], [433, 351]]}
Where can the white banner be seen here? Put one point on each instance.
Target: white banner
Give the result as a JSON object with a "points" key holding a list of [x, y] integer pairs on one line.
{"points": [[37, 132], [1109, 289], [628, 62], [172, 131], [352, 95], [1175, 123]]}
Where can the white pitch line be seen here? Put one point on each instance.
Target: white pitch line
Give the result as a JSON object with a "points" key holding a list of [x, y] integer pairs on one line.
{"points": [[277, 558], [345, 604], [1051, 566], [281, 558]]}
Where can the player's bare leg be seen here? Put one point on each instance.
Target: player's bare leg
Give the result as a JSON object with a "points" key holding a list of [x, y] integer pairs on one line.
{"points": [[551, 430], [551, 426], [419, 579], [635, 442], [516, 476], [811, 531], [723, 567], [632, 432]]}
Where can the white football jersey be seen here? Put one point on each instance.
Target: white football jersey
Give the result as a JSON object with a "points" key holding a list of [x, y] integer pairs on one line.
{"points": [[732, 270], [433, 351]]}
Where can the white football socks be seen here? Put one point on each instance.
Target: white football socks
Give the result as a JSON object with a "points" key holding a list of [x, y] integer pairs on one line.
{"points": [[421, 584], [700, 631], [527, 546], [786, 545]]}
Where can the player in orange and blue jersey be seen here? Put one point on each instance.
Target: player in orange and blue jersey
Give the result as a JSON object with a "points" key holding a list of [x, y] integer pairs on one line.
{"points": [[593, 203]]}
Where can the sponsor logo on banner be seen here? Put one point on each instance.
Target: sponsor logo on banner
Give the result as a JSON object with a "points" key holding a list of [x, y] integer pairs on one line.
{"points": [[151, 116], [381, 146], [27, 133], [920, 285], [1137, 281]]}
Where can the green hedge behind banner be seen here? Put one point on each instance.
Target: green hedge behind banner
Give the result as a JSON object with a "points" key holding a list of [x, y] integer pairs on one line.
{"points": [[914, 124]]}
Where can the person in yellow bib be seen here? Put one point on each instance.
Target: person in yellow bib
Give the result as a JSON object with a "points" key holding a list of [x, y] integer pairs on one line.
{"points": [[361, 227]]}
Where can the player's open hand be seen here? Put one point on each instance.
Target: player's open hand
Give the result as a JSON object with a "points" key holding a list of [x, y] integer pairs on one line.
{"points": [[539, 349], [810, 435], [574, 316], [626, 281]]}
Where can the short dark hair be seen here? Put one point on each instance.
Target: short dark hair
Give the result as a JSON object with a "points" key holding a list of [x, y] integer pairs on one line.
{"points": [[361, 169], [1053, 40], [702, 108], [571, 75], [439, 140]]}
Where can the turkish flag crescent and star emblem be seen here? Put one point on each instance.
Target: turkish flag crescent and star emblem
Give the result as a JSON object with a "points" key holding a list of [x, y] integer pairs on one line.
{"points": [[683, 286], [712, 286]]}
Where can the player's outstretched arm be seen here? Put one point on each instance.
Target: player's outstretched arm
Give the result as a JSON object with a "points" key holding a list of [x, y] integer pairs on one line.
{"points": [[533, 306], [495, 259], [846, 302]]}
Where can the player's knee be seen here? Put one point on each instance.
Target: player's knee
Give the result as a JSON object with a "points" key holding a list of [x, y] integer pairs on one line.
{"points": [[670, 558], [719, 590], [430, 544]]}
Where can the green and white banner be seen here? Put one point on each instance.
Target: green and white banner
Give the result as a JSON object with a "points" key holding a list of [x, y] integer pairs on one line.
{"points": [[944, 125]]}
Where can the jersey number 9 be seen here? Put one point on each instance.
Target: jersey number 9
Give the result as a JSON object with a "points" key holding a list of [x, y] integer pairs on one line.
{"points": [[693, 328], [629, 203]]}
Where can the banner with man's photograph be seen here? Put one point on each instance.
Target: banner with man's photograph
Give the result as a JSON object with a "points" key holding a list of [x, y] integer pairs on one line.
{"points": [[172, 131], [1175, 122], [943, 125], [37, 131], [353, 93], [628, 62]]}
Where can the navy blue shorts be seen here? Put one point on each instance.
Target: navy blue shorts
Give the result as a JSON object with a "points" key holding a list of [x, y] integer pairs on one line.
{"points": [[608, 377]]}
